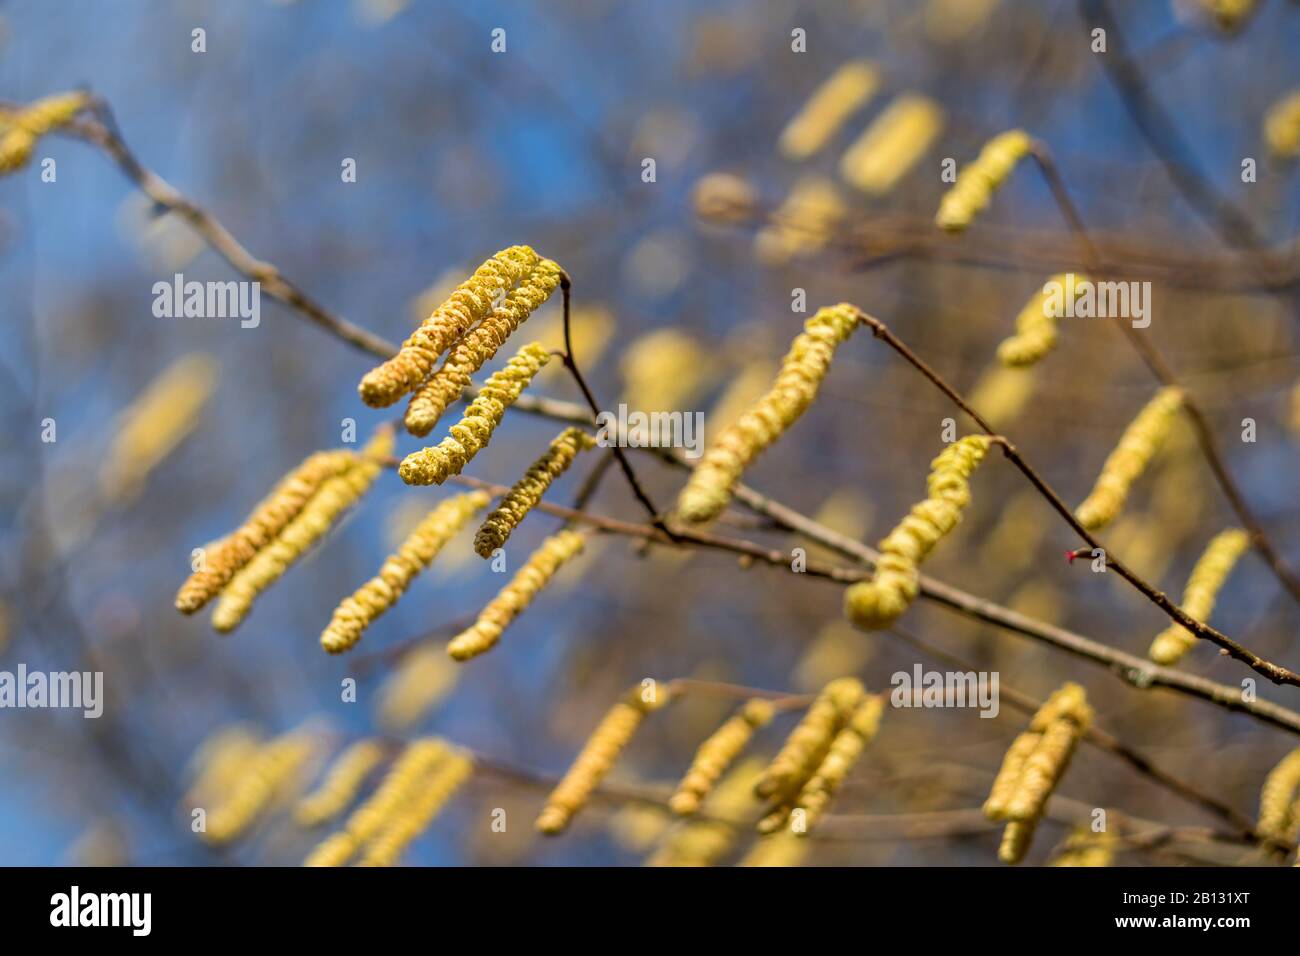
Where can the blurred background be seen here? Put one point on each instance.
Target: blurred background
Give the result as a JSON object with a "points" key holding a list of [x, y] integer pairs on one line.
{"points": [[681, 303]]}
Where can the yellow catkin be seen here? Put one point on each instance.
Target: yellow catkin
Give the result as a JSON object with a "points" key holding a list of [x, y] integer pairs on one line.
{"points": [[286, 501], [1083, 847], [470, 303], [220, 761], [1229, 15], [358, 612], [399, 784], [844, 752], [423, 678], [21, 129], [270, 773], [802, 370], [595, 759], [830, 106], [975, 184], [724, 198], [1282, 127], [1036, 324], [516, 596], [894, 143], [1016, 838], [342, 782], [1279, 813], [1002, 393], [1137, 446], [470, 435], [803, 224], [703, 842], [477, 347], [155, 423], [335, 496], [880, 601], [807, 744], [1007, 781], [716, 754], [780, 849], [663, 370], [423, 805], [528, 490], [1207, 578]]}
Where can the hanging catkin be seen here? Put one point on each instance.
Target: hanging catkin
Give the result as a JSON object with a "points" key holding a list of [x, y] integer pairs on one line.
{"points": [[1279, 801], [1083, 847], [847, 89], [1282, 127], [1036, 324], [1137, 446], [317, 516], [356, 613], [595, 759], [477, 347], [422, 679], [261, 527], [802, 370], [272, 770], [515, 597], [20, 130], [715, 755], [1207, 577], [844, 752], [808, 743], [470, 435], [879, 602], [342, 782], [425, 803], [528, 490], [894, 142], [703, 842], [975, 184], [472, 300]]}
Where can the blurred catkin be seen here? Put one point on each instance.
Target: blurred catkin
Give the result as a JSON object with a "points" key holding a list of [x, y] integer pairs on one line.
{"points": [[844, 751], [839, 97], [273, 770], [803, 223], [1207, 578], [1279, 800], [1282, 127], [342, 781], [893, 143], [1036, 324], [1085, 847], [422, 679], [22, 129], [808, 743], [1137, 446], [715, 755], [977, 182], [423, 804]]}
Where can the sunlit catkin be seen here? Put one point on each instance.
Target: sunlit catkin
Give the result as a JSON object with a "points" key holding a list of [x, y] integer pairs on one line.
{"points": [[516, 596], [477, 347], [1036, 324], [977, 182], [342, 781], [357, 612], [423, 804], [802, 370], [268, 519], [879, 602], [838, 98], [807, 744], [844, 751], [528, 490], [268, 775], [893, 143], [471, 302], [1203, 586], [423, 678], [1279, 800], [596, 758], [21, 129], [470, 435], [715, 755], [1282, 127], [335, 496], [1137, 446], [155, 423]]}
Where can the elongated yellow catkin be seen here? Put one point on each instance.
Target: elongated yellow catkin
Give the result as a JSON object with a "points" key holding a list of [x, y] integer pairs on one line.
{"points": [[715, 755], [803, 224], [1199, 597], [274, 768], [472, 300], [219, 763], [528, 490], [724, 198], [470, 435], [477, 347], [709, 490], [1084, 847], [412, 766], [21, 129], [1002, 393], [975, 184], [342, 782], [893, 143], [847, 89], [1137, 446], [880, 601], [844, 752], [1282, 127], [807, 744], [1279, 800], [703, 842], [595, 759], [1036, 324], [155, 423], [663, 370], [425, 803], [422, 679], [317, 516], [356, 613], [260, 528], [515, 597], [1007, 781]]}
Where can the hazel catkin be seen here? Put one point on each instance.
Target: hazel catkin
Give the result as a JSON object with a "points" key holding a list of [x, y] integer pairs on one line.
{"points": [[893, 143], [977, 182], [342, 781], [1036, 324], [272, 770], [21, 129], [807, 744], [843, 753], [847, 89], [1199, 597], [1282, 127], [717, 752], [1279, 800], [423, 804]]}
